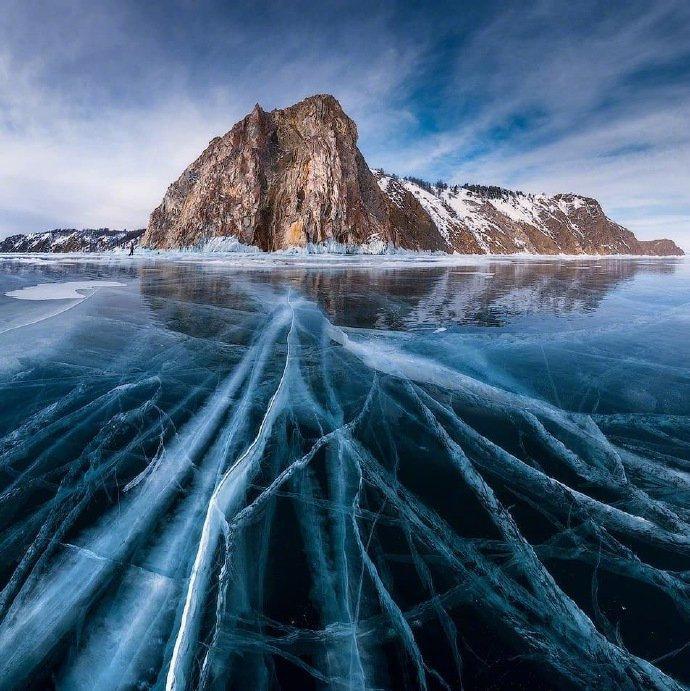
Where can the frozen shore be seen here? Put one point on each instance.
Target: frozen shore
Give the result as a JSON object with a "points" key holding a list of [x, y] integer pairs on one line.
{"points": [[267, 259]]}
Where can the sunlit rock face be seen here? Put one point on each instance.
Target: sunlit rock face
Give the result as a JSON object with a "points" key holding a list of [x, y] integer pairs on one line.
{"points": [[287, 178], [345, 477]]}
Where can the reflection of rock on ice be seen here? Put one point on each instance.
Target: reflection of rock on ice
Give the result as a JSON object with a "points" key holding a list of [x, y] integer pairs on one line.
{"points": [[68, 290]]}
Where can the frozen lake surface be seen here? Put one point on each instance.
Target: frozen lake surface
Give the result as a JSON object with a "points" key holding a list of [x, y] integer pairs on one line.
{"points": [[466, 473]]}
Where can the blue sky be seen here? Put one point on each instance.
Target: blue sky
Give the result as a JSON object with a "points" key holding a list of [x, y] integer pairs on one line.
{"points": [[102, 104]]}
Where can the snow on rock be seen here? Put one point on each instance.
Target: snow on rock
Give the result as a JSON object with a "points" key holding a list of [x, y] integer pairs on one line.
{"points": [[491, 220], [440, 214]]}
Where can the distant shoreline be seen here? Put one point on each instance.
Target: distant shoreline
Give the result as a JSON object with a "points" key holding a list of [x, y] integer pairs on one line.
{"points": [[260, 258]]}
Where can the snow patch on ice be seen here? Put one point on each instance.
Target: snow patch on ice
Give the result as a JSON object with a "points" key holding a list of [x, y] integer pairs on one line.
{"points": [[69, 290]]}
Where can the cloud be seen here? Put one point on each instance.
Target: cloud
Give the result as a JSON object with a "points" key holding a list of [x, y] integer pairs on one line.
{"points": [[570, 97], [95, 125], [99, 114]]}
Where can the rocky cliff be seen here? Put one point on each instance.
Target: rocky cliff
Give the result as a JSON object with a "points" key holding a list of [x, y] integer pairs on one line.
{"points": [[295, 178], [288, 178]]}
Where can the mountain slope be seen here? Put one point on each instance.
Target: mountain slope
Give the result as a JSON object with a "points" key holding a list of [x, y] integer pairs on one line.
{"points": [[295, 178], [71, 240], [493, 220]]}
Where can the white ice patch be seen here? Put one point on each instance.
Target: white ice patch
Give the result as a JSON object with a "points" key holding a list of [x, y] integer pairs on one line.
{"points": [[69, 290], [225, 243]]}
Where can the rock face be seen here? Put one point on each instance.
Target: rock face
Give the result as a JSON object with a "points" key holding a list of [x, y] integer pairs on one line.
{"points": [[288, 178], [659, 248], [71, 240], [295, 178]]}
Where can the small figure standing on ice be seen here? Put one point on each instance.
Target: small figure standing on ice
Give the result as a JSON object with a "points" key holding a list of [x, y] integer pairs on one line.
{"points": [[131, 249]]}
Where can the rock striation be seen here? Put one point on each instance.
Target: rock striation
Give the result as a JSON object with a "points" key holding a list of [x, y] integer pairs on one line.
{"points": [[294, 178]]}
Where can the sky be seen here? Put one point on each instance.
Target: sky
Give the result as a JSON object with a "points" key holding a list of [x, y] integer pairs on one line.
{"points": [[103, 104]]}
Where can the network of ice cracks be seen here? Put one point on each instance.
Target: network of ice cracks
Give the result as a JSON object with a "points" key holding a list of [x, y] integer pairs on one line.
{"points": [[302, 478]]}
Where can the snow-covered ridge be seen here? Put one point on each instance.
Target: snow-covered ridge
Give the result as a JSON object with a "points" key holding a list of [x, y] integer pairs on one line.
{"points": [[482, 211], [493, 220], [71, 240]]}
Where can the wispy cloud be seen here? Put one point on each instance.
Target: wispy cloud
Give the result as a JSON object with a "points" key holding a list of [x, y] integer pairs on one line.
{"points": [[100, 113], [97, 123], [574, 97]]}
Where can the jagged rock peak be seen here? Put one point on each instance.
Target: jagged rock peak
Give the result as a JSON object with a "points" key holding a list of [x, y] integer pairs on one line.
{"points": [[289, 177]]}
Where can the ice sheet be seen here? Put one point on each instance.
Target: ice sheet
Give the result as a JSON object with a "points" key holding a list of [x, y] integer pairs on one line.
{"points": [[347, 477]]}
